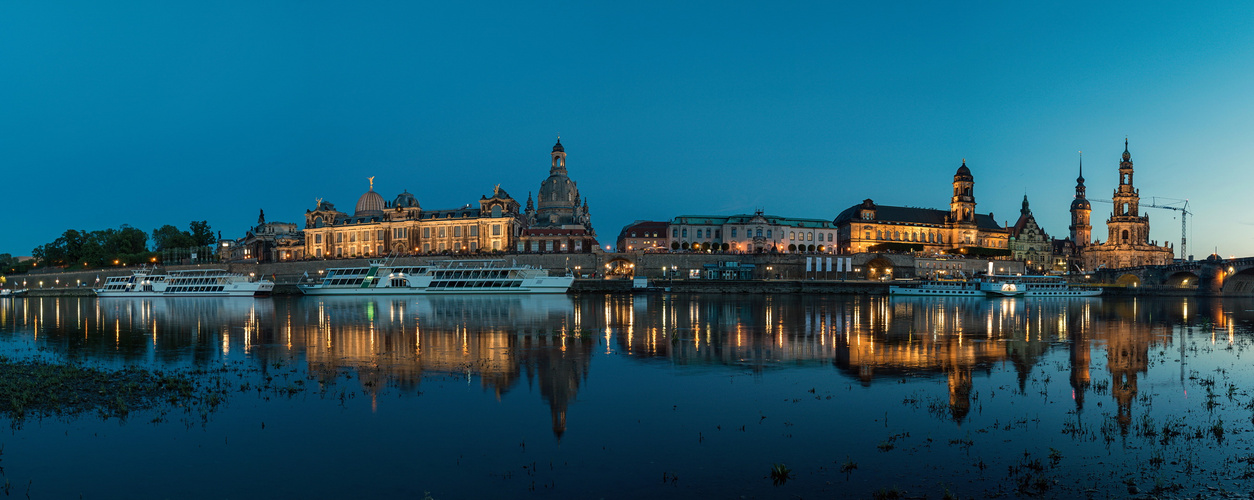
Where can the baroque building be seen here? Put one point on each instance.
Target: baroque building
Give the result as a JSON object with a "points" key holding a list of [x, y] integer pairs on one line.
{"points": [[868, 227], [559, 220], [756, 233], [402, 227], [1127, 243]]}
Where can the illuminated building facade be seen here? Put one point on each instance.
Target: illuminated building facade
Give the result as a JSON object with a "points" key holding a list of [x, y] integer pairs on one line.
{"points": [[757, 233], [560, 224], [267, 242], [868, 227], [644, 236], [1127, 244], [1029, 243], [402, 227]]}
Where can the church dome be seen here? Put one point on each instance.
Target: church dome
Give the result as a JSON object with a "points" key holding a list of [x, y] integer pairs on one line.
{"points": [[369, 204], [558, 191], [1081, 204], [557, 148]]}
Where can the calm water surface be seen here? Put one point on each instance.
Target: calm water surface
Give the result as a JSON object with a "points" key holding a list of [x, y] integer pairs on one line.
{"points": [[667, 396]]}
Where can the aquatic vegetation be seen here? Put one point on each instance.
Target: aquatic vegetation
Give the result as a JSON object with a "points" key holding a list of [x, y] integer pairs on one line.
{"points": [[38, 388], [780, 474]]}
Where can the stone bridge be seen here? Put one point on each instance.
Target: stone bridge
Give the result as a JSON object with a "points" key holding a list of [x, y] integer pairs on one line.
{"points": [[1213, 276]]}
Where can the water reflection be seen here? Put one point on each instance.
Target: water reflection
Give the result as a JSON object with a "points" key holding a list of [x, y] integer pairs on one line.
{"points": [[550, 341]]}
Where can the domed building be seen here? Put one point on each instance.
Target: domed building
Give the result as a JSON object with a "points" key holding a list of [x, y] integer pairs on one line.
{"points": [[402, 227], [370, 204], [561, 222]]}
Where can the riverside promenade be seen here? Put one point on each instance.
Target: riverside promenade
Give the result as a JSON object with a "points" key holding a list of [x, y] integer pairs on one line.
{"points": [[677, 273]]}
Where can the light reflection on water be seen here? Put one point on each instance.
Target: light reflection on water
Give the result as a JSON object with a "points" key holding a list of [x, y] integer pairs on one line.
{"points": [[831, 378]]}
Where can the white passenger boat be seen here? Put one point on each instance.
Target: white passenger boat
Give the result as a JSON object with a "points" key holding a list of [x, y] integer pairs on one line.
{"points": [[441, 277], [184, 283], [1054, 286], [987, 286]]}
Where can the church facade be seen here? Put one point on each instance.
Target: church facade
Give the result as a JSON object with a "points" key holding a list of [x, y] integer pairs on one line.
{"points": [[868, 227], [1127, 243]]}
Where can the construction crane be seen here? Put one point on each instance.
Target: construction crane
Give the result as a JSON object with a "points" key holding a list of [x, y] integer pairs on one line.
{"points": [[1183, 208]]}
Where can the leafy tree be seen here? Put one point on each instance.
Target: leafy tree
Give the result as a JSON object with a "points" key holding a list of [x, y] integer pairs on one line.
{"points": [[131, 240], [167, 237], [201, 234]]}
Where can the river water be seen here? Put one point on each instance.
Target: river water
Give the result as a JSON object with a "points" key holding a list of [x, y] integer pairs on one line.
{"points": [[659, 396]]}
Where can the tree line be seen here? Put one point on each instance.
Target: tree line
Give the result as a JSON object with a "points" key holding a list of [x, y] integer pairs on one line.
{"points": [[76, 249]]}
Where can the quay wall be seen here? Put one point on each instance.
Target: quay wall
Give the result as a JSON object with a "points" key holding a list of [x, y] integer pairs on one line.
{"points": [[774, 273]]}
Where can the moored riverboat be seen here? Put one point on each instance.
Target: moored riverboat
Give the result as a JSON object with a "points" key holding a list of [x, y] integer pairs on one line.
{"points": [[441, 277], [986, 286], [1054, 286], [185, 283]]}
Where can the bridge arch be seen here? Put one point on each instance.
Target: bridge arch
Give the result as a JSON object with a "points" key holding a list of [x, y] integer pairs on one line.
{"points": [[1239, 283], [1183, 279], [1129, 281]]}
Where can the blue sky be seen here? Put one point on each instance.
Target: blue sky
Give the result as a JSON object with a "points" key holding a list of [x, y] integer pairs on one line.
{"points": [[153, 113]]}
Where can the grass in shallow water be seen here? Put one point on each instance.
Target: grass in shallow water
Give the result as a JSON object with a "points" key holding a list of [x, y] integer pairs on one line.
{"points": [[37, 388]]}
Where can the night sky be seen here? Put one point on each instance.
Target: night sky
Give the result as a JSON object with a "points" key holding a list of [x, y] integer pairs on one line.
{"points": [[154, 113]]}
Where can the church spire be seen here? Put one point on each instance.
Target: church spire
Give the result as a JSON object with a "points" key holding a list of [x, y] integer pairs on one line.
{"points": [[1080, 179]]}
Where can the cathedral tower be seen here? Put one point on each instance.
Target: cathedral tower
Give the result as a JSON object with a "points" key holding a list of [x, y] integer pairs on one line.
{"points": [[1126, 225], [1081, 231], [962, 205]]}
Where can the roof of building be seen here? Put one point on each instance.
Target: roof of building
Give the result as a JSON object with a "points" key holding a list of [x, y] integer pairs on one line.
{"points": [[644, 226], [370, 203], [911, 215], [718, 220], [963, 172]]}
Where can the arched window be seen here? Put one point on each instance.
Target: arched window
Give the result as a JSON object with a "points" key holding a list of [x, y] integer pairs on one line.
{"points": [[1125, 235]]}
